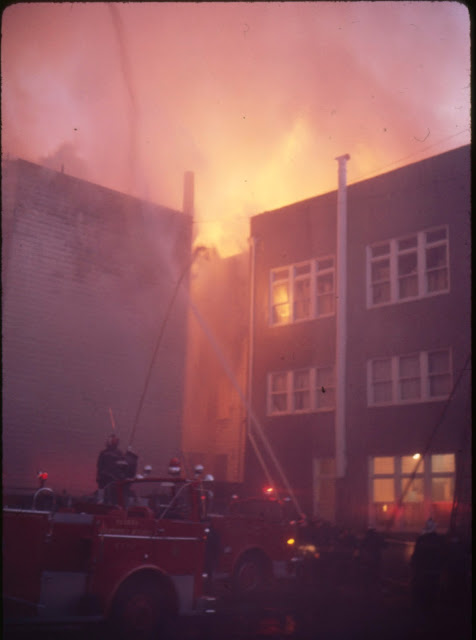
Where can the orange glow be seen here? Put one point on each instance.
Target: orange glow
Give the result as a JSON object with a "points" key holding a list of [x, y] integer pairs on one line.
{"points": [[257, 99], [281, 306], [290, 541]]}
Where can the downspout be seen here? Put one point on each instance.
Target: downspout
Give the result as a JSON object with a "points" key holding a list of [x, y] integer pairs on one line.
{"points": [[251, 341], [341, 317], [251, 332]]}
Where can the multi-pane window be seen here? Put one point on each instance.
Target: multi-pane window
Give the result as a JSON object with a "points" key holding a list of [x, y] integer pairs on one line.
{"points": [[409, 377], [325, 296], [302, 390], [302, 291], [420, 486], [415, 377], [278, 392], [436, 260], [280, 296], [439, 373], [380, 273], [409, 267]]}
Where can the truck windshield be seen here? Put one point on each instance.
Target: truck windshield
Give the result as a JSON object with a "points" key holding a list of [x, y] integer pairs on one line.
{"points": [[166, 499]]}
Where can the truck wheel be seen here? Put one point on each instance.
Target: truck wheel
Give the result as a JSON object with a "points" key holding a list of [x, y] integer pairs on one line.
{"points": [[251, 575], [141, 610]]}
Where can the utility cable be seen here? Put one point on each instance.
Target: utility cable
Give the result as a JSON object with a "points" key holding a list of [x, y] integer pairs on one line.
{"points": [[430, 440], [188, 266]]}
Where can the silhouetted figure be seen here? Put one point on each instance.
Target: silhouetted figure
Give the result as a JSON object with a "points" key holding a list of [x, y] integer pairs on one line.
{"points": [[113, 465], [457, 569], [427, 563]]}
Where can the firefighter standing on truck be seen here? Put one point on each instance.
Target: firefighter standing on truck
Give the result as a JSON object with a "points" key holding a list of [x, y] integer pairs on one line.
{"points": [[113, 465]]}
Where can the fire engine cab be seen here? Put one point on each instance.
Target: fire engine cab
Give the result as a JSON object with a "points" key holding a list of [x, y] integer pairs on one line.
{"points": [[150, 551]]}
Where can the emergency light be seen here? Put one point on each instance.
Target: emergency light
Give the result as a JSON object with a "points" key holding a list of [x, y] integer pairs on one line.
{"points": [[174, 467]]}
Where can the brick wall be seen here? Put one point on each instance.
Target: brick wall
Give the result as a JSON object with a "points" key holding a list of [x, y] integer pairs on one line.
{"points": [[87, 277]]}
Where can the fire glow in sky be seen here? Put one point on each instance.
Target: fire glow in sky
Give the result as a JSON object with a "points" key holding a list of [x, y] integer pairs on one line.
{"points": [[256, 98]]}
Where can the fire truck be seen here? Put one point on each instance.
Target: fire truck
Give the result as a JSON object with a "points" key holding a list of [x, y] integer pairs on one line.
{"points": [[149, 552]]}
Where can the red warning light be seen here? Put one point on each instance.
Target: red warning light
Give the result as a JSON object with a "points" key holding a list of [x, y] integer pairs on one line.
{"points": [[42, 477]]}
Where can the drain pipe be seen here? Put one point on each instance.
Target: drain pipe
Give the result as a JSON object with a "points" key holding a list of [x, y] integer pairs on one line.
{"points": [[251, 342], [341, 317]]}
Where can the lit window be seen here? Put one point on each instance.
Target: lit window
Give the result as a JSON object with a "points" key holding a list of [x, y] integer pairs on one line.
{"points": [[412, 489], [421, 486], [409, 267], [280, 296], [384, 490], [384, 465], [443, 463], [442, 489], [302, 291], [410, 464]]}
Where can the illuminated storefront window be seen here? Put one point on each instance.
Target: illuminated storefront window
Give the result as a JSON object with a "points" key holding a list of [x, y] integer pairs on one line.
{"points": [[420, 486]]}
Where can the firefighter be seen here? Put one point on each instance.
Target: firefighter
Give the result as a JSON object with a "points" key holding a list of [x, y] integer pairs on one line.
{"points": [[427, 562], [113, 465]]}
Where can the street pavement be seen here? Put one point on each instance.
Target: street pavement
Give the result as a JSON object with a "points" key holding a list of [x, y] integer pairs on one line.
{"points": [[350, 610]]}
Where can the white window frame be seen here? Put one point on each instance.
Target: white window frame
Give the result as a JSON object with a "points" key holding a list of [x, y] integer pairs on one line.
{"points": [[396, 378], [291, 390], [272, 393], [423, 471], [391, 249], [292, 275]]}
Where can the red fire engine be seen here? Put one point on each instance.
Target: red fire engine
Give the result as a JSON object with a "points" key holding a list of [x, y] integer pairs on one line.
{"points": [[151, 552]]}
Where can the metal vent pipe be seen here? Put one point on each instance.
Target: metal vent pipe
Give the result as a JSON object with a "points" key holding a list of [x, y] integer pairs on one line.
{"points": [[341, 317]]}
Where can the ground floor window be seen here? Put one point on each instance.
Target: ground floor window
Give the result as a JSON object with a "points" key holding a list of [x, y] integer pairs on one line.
{"points": [[407, 490]]}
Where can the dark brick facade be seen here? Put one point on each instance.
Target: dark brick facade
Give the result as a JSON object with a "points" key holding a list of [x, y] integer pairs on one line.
{"points": [[406, 201]]}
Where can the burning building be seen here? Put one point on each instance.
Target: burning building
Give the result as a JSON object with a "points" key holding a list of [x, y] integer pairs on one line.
{"points": [[214, 428], [360, 344]]}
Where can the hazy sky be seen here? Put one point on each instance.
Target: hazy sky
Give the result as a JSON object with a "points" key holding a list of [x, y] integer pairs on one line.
{"points": [[256, 98]]}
